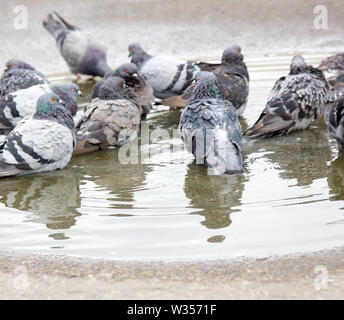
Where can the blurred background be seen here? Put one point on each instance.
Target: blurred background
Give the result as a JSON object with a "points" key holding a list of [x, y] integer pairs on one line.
{"points": [[188, 29]]}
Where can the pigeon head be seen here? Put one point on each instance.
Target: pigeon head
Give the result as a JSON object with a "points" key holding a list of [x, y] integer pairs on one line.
{"points": [[298, 65], [115, 88], [68, 93], [127, 70], [232, 54], [49, 108], [112, 88], [17, 64], [134, 48], [206, 86], [137, 54]]}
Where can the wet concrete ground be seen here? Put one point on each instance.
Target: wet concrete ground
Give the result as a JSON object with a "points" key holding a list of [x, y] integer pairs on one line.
{"points": [[187, 29], [310, 276]]}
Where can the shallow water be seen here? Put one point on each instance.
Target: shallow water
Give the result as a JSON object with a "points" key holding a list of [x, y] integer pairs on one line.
{"points": [[289, 199]]}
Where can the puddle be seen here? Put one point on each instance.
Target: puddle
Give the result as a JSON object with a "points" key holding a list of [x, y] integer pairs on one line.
{"points": [[290, 198]]}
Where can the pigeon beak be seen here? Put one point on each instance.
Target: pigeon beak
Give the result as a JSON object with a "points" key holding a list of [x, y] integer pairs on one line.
{"points": [[80, 93], [135, 75]]}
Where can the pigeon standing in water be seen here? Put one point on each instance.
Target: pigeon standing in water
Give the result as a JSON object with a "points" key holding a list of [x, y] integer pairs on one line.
{"points": [[42, 143], [167, 75], [210, 128], [109, 120], [334, 115], [19, 75], [294, 102], [80, 49], [17, 105], [133, 79], [234, 78]]}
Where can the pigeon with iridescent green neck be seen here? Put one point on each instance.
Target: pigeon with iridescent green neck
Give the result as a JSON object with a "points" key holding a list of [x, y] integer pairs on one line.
{"points": [[19, 75], [17, 105], [44, 142], [210, 128], [167, 75], [81, 50]]}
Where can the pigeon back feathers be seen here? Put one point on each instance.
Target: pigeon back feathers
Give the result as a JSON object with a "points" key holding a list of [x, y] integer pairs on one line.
{"points": [[294, 102]]}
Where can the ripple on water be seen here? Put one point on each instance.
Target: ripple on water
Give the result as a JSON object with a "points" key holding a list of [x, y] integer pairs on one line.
{"points": [[289, 199]]}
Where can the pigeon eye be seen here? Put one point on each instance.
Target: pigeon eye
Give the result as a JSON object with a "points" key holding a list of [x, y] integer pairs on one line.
{"points": [[198, 79], [118, 85], [126, 71], [10, 65], [53, 99], [73, 90]]}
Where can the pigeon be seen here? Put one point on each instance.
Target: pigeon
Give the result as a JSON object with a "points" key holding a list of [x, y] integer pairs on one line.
{"points": [[334, 115], [210, 128], [81, 50], [167, 75], [19, 75], [294, 102], [17, 105], [336, 81], [133, 79], [234, 78], [109, 120], [333, 63], [43, 142]]}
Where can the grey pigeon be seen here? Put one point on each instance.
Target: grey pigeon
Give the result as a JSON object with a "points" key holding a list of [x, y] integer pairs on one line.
{"points": [[133, 79], [334, 115], [167, 75], [336, 81], [333, 63], [294, 102], [19, 75], [81, 50], [44, 142], [109, 120], [210, 128], [22, 103], [234, 78]]}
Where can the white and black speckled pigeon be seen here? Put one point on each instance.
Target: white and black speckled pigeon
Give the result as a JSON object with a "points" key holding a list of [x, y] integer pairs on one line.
{"points": [[19, 75], [22, 103], [109, 120], [133, 79], [44, 142], [167, 75], [334, 115], [81, 50], [294, 102], [234, 78], [210, 128]]}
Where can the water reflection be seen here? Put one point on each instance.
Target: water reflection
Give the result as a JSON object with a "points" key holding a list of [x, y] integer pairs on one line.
{"points": [[302, 156], [52, 199], [121, 180], [335, 178], [216, 196], [166, 210]]}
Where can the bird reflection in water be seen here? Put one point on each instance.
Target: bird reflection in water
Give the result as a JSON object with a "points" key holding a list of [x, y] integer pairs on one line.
{"points": [[216, 197]]}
